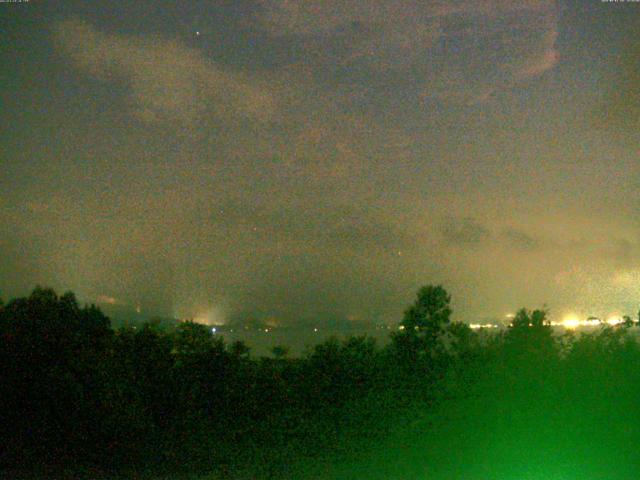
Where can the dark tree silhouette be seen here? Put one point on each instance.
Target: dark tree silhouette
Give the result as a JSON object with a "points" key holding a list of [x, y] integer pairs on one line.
{"points": [[429, 314], [280, 352], [422, 325], [530, 333], [158, 400], [194, 338], [239, 349]]}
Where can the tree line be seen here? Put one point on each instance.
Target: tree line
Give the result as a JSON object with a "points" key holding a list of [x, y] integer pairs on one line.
{"points": [[81, 399]]}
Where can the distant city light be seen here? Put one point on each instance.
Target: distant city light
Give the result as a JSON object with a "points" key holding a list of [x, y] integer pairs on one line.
{"points": [[107, 299], [571, 322], [614, 320], [212, 316], [478, 326]]}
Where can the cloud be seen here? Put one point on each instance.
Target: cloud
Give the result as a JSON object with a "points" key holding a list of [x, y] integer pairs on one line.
{"points": [[460, 52], [308, 17], [312, 228], [463, 232], [379, 32], [494, 53], [166, 79], [541, 59], [520, 240]]}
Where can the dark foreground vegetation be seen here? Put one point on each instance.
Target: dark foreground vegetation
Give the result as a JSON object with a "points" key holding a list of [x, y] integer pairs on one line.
{"points": [[80, 400]]}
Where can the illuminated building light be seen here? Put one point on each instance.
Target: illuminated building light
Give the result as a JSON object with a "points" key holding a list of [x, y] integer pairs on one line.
{"points": [[614, 320], [571, 322], [478, 326]]}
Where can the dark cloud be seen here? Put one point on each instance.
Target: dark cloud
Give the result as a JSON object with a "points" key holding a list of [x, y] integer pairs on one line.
{"points": [[521, 240], [314, 226], [464, 232], [461, 52]]}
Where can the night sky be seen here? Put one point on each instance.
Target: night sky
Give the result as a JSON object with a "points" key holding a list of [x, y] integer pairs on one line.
{"points": [[319, 160]]}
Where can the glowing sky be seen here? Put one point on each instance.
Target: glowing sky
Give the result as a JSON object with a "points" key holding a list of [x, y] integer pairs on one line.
{"points": [[321, 159]]}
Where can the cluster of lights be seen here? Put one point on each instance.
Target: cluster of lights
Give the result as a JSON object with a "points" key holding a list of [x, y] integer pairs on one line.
{"points": [[265, 330], [478, 326], [572, 322]]}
